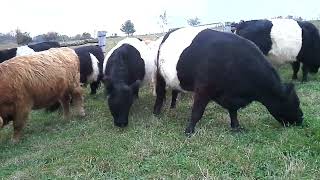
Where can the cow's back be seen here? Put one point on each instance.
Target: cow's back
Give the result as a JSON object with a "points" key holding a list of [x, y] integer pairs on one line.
{"points": [[140, 61], [44, 46], [172, 46]]}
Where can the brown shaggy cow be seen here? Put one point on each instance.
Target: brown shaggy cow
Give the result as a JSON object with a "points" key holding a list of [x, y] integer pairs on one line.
{"points": [[36, 81]]}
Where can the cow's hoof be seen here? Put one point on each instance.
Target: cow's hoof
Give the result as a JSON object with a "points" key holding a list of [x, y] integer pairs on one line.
{"points": [[15, 140], [135, 97], [238, 129], [156, 112], [82, 113], [189, 131]]}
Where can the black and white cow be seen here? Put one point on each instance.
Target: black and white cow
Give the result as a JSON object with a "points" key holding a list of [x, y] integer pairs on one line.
{"points": [[285, 40], [91, 61], [26, 50], [225, 68], [125, 66]]}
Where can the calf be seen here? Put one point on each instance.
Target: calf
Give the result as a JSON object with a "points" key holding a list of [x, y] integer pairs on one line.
{"points": [[126, 65], [26, 50], [225, 68], [35, 82], [285, 41]]}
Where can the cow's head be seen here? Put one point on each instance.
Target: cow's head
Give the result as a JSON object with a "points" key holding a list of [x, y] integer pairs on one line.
{"points": [[287, 110], [120, 100]]}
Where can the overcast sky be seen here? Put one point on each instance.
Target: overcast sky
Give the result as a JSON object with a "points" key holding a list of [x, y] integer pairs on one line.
{"points": [[76, 16]]}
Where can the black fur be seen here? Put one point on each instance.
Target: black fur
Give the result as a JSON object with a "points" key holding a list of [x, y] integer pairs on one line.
{"points": [[44, 46], [7, 54], [309, 54], [125, 70], [258, 31], [233, 72]]}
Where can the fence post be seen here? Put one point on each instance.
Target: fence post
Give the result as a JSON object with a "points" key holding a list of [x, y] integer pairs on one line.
{"points": [[102, 40]]}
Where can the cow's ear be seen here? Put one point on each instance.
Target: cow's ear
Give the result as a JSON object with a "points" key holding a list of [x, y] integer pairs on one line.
{"points": [[135, 85], [288, 90]]}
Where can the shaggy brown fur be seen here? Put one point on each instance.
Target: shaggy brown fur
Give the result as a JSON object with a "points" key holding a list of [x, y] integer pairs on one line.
{"points": [[36, 81]]}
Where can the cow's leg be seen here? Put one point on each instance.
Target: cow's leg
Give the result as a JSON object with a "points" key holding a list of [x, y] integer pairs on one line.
{"points": [[174, 98], [136, 92], [161, 94], [53, 107], [295, 67], [305, 71], [234, 120], [154, 91], [94, 86], [153, 84], [77, 100], [65, 103], [200, 101], [19, 121]]}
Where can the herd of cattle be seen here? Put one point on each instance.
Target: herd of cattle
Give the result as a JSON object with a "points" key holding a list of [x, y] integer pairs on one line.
{"points": [[232, 69]]}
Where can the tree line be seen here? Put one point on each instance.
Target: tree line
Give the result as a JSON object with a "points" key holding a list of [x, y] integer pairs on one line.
{"points": [[23, 38]]}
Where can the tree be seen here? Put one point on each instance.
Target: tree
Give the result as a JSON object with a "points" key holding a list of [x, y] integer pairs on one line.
{"points": [[194, 21], [164, 21], [77, 37], [22, 38], [289, 17], [51, 36], [7, 38], [64, 38], [86, 35], [128, 28]]}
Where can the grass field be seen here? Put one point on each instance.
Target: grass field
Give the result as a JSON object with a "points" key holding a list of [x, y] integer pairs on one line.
{"points": [[156, 147]]}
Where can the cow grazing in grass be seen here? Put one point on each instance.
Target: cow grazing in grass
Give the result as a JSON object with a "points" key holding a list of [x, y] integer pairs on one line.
{"points": [[36, 81], [91, 61], [285, 41], [225, 68], [26, 50], [126, 65]]}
